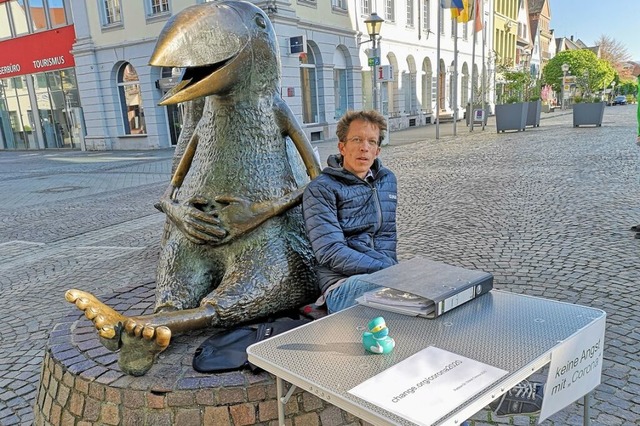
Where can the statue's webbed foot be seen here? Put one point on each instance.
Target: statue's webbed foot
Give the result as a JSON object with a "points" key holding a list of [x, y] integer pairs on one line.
{"points": [[138, 339], [107, 321], [141, 344]]}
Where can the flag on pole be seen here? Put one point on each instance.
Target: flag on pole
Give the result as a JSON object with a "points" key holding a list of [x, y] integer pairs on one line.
{"points": [[478, 26], [464, 14], [450, 4]]}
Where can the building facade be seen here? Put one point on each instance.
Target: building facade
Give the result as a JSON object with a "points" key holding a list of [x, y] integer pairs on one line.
{"points": [[328, 67]]}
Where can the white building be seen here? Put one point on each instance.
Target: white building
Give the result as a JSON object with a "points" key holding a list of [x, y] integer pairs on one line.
{"points": [[120, 91]]}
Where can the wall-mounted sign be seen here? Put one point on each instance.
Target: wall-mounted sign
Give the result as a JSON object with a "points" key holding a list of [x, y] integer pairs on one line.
{"points": [[167, 83], [34, 53], [297, 45], [384, 73]]}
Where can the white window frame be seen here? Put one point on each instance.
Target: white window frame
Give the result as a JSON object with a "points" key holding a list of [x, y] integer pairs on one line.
{"points": [[410, 14], [124, 105], [157, 8], [310, 93], [339, 4], [365, 7], [105, 7], [390, 10]]}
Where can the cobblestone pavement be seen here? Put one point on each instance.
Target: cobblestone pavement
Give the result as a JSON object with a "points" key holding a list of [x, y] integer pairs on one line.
{"points": [[547, 211]]}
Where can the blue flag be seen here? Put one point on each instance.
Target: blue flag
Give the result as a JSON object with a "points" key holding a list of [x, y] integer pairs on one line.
{"points": [[450, 4]]}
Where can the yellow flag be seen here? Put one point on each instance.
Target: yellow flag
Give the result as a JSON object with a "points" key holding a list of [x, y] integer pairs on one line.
{"points": [[466, 13], [455, 12]]}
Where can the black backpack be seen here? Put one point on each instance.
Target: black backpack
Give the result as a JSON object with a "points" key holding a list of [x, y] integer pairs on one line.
{"points": [[227, 349]]}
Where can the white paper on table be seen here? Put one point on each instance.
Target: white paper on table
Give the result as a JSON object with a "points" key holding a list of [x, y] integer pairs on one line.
{"points": [[428, 385]]}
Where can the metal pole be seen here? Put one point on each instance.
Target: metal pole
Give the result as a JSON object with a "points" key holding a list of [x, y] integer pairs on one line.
{"points": [[586, 421], [438, 71], [564, 76], [374, 83], [473, 76], [454, 93], [484, 67]]}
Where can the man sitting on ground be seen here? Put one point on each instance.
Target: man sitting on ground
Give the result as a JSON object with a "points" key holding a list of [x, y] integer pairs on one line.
{"points": [[350, 212]]}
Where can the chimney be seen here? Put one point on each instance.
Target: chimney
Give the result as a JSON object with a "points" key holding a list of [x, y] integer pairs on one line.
{"points": [[572, 38]]}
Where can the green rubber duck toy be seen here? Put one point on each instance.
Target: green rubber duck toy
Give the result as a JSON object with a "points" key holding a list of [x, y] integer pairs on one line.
{"points": [[377, 339]]}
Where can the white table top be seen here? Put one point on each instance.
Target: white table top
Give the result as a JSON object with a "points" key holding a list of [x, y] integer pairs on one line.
{"points": [[513, 332]]}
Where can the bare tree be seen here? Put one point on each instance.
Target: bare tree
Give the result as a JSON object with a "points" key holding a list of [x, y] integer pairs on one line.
{"points": [[616, 54]]}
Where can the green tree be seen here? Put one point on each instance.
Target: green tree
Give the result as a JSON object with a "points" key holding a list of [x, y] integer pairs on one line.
{"points": [[520, 86], [591, 73]]}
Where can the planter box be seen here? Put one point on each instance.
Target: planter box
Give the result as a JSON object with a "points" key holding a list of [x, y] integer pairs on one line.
{"points": [[588, 114], [533, 114], [511, 116]]}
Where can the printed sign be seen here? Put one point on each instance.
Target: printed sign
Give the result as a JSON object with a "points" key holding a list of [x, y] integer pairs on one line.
{"points": [[433, 378], [384, 73], [40, 52], [575, 369]]}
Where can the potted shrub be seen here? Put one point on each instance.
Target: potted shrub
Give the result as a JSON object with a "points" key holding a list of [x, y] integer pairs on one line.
{"points": [[533, 112], [588, 113], [512, 115]]}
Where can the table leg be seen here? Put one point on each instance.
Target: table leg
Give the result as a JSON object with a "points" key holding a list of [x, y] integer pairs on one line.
{"points": [[280, 396], [587, 419]]}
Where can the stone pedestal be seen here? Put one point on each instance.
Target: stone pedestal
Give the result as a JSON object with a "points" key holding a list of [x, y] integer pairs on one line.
{"points": [[81, 383]]}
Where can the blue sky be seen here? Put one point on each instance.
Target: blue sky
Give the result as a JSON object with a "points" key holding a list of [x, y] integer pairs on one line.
{"points": [[589, 19]]}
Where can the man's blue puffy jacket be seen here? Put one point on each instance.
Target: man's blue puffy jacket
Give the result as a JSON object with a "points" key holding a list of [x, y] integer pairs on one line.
{"points": [[351, 223]]}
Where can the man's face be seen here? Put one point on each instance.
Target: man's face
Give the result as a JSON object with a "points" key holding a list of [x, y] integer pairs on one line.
{"points": [[360, 148]]}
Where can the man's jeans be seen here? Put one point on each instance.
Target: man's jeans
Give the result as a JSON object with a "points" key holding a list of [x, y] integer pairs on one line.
{"points": [[345, 295]]}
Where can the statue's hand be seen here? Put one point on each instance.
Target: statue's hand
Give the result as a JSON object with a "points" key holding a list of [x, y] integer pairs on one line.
{"points": [[198, 223], [240, 215]]}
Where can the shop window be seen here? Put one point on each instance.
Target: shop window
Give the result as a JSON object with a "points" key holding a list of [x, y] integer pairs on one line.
{"points": [[57, 15], [309, 85], [18, 11], [17, 83], [131, 101], [41, 80], [31, 16], [5, 29], [110, 12], [37, 15]]}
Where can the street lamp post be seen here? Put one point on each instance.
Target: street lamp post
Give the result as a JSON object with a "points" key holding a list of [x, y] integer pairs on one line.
{"points": [[587, 90], [374, 23], [565, 69], [454, 96], [613, 90], [526, 55]]}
